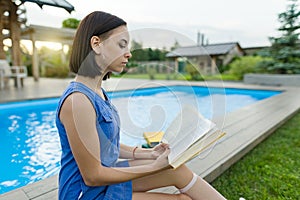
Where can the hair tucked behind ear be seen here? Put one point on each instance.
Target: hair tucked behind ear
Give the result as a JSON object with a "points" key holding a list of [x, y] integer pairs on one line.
{"points": [[98, 23], [107, 76]]}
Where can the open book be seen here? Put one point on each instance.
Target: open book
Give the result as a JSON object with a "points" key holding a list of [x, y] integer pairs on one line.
{"points": [[188, 135]]}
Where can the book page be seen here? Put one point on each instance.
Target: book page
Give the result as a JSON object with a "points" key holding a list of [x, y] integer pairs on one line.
{"points": [[199, 147], [188, 127]]}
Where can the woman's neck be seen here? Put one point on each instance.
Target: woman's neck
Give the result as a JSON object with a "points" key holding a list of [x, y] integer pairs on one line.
{"points": [[93, 83]]}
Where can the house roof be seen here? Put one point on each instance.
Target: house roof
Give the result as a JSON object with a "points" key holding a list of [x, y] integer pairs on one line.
{"points": [[49, 34], [56, 3], [210, 49], [46, 33]]}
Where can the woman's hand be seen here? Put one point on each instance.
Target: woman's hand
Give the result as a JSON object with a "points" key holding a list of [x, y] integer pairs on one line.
{"points": [[162, 160], [152, 154], [158, 150]]}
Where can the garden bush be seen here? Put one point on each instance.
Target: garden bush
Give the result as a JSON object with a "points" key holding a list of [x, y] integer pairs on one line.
{"points": [[244, 65], [193, 72]]}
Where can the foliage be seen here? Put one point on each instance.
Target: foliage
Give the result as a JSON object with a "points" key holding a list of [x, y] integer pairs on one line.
{"points": [[193, 72], [223, 68], [245, 64], [175, 46], [222, 77], [136, 45], [146, 54], [157, 76], [156, 54], [52, 63], [284, 50], [27, 61], [270, 171], [139, 55], [70, 23], [151, 72], [57, 71], [178, 76]]}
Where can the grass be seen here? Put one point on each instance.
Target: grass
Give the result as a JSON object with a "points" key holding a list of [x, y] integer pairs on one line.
{"points": [[178, 77], [270, 171], [156, 76]]}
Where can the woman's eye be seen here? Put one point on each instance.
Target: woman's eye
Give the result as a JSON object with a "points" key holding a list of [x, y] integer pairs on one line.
{"points": [[123, 44]]}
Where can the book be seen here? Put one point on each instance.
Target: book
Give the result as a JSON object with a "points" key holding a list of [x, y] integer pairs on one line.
{"points": [[188, 135], [153, 138]]}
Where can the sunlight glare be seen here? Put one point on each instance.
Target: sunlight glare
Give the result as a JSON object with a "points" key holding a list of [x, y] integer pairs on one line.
{"points": [[56, 46]]}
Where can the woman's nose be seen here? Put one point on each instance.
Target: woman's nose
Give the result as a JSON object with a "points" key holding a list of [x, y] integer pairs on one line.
{"points": [[128, 55]]}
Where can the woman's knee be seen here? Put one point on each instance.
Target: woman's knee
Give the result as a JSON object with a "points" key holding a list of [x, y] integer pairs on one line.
{"points": [[182, 176], [183, 169]]}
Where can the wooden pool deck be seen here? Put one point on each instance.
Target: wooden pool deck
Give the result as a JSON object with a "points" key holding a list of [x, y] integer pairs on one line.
{"points": [[245, 127]]}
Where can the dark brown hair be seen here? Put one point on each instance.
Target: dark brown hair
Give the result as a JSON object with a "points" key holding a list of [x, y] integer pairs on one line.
{"points": [[97, 23]]}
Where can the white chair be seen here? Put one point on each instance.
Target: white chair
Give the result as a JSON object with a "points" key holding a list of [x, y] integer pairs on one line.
{"points": [[7, 72]]}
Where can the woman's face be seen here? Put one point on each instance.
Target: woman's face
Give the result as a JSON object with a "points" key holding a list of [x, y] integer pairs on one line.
{"points": [[115, 51]]}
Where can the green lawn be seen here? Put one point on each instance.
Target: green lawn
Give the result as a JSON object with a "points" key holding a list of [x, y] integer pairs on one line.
{"points": [[156, 76], [177, 77], [270, 171]]}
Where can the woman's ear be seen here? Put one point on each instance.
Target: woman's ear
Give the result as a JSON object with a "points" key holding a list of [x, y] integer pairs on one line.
{"points": [[95, 44]]}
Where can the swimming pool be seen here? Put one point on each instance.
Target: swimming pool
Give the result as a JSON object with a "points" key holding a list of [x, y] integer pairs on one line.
{"points": [[30, 149]]}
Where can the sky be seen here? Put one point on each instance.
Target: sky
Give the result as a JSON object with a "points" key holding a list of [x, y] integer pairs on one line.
{"points": [[159, 23]]}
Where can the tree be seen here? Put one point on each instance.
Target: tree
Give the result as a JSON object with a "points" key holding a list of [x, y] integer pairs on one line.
{"points": [[138, 54], [136, 45], [284, 50], [146, 54], [156, 54], [175, 45], [71, 23]]}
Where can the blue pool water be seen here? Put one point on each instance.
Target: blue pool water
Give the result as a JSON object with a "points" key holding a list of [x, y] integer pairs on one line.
{"points": [[30, 148]]}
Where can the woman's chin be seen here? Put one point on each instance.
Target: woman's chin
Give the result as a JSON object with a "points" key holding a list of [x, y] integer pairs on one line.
{"points": [[118, 69]]}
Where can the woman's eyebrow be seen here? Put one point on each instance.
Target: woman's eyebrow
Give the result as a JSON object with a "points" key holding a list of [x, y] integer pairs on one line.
{"points": [[124, 40]]}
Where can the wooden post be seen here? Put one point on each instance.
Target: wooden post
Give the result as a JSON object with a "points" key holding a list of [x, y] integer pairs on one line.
{"points": [[176, 65], [63, 54], [2, 53], [15, 33], [213, 65], [35, 59]]}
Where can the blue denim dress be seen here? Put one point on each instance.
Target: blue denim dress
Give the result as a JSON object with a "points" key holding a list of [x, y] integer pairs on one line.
{"points": [[71, 184]]}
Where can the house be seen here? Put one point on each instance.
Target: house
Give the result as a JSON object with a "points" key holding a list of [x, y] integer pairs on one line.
{"points": [[253, 50], [208, 57]]}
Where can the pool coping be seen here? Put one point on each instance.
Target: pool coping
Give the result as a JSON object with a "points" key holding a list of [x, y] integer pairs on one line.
{"points": [[267, 115]]}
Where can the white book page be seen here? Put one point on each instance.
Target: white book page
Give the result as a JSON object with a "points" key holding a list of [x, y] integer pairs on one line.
{"points": [[188, 126]]}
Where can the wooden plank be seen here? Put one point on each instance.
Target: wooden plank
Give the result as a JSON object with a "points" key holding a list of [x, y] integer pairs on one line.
{"points": [[42, 187], [14, 195], [52, 195], [266, 108]]}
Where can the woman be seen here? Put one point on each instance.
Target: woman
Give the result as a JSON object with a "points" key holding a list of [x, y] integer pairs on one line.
{"points": [[88, 126]]}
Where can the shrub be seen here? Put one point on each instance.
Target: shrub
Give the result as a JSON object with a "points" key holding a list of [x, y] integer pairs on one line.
{"points": [[52, 64], [193, 72], [151, 72], [243, 65], [57, 71]]}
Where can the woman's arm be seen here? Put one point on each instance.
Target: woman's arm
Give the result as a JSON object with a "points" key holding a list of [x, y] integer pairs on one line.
{"points": [[79, 118], [136, 153]]}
